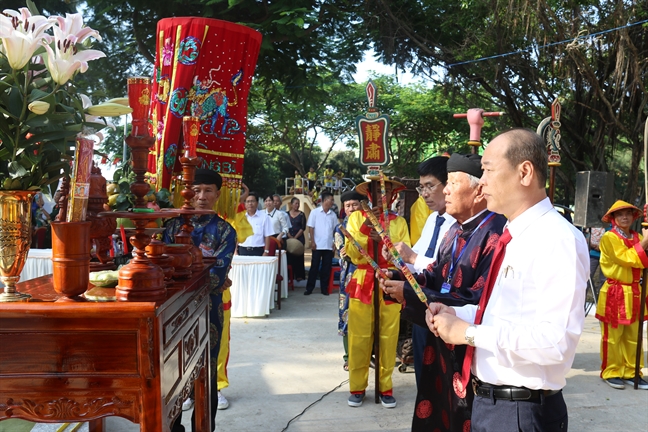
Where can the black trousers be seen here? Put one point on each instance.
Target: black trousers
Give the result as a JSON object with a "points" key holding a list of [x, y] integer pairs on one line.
{"points": [[495, 415], [419, 336], [250, 251], [324, 258]]}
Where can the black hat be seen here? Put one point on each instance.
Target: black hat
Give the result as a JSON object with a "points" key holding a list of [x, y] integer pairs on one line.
{"points": [[351, 195], [206, 176], [469, 164]]}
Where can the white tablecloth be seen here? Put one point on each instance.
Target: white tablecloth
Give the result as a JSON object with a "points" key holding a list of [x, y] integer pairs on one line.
{"points": [[37, 264], [253, 284]]}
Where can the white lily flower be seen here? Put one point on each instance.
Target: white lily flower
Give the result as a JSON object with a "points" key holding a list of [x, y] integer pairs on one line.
{"points": [[39, 107], [21, 34], [64, 62], [72, 25]]}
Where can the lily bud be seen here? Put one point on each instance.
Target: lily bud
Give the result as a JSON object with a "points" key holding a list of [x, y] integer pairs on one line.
{"points": [[108, 109], [121, 101], [39, 107]]}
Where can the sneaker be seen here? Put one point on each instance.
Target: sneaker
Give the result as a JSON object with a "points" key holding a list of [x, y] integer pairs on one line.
{"points": [[643, 384], [222, 402], [616, 383], [355, 400], [187, 404], [388, 401]]}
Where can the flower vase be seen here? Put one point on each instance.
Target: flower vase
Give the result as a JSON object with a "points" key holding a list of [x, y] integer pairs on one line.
{"points": [[71, 259], [15, 239]]}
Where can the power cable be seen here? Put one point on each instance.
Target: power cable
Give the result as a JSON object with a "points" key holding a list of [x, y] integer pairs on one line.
{"points": [[549, 44], [317, 401]]}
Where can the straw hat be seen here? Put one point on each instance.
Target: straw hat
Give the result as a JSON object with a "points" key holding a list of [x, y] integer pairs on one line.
{"points": [[294, 246], [363, 188], [620, 205]]}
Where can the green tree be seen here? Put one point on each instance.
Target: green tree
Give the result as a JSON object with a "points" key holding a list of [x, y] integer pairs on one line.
{"points": [[600, 80]]}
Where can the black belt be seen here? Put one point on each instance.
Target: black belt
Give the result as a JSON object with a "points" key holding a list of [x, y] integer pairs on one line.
{"points": [[511, 393], [251, 247]]}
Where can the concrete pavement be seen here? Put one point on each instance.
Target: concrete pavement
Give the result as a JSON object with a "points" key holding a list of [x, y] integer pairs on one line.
{"points": [[291, 362]]}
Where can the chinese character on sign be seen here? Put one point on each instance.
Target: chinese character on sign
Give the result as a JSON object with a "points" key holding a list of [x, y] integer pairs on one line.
{"points": [[373, 133]]}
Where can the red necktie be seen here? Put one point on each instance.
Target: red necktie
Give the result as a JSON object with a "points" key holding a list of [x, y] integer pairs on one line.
{"points": [[496, 263]]}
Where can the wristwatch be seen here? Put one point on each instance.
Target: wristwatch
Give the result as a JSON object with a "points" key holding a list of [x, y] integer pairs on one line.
{"points": [[470, 335], [266, 251]]}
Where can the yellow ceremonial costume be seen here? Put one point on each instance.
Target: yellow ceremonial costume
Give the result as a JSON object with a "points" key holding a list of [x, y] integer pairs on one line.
{"points": [[223, 353], [419, 212], [361, 311], [243, 231], [328, 178], [622, 260]]}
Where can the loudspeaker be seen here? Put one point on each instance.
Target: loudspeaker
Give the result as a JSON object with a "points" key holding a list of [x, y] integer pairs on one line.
{"points": [[594, 196]]}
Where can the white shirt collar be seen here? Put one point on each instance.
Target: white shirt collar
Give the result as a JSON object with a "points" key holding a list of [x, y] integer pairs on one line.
{"points": [[530, 215]]}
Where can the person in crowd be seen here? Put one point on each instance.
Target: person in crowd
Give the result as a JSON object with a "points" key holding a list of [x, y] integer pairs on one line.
{"points": [[315, 195], [594, 239], [328, 178], [530, 317], [298, 183], [351, 203], [215, 238], [40, 216], [258, 244], [339, 175], [321, 223], [311, 175], [296, 232], [623, 256], [360, 290], [433, 176], [279, 219], [456, 278]]}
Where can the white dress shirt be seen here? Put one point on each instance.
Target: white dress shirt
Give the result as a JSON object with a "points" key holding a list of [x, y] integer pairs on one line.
{"points": [[261, 228], [279, 222], [422, 262], [323, 224], [535, 315]]}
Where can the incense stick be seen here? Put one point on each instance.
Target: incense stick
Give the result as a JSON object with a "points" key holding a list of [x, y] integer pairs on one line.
{"points": [[364, 253], [394, 253]]}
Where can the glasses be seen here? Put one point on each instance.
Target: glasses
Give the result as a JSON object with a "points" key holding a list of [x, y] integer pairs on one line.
{"points": [[426, 188]]}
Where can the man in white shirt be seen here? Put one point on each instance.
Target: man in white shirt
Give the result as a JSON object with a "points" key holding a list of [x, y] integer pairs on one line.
{"points": [[432, 181], [528, 323], [276, 198], [321, 224], [278, 219], [258, 244]]}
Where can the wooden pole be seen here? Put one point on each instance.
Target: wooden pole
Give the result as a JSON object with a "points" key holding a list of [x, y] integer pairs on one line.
{"points": [[552, 182], [644, 286], [375, 197]]}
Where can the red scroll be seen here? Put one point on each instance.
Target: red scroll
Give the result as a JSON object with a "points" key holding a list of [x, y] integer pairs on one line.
{"points": [[203, 68]]}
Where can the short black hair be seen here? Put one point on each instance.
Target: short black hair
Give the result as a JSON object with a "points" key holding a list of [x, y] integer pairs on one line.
{"points": [[436, 166], [326, 194], [269, 196], [255, 195]]}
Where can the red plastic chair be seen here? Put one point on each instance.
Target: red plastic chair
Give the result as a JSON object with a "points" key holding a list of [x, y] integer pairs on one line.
{"points": [[274, 249], [331, 284]]}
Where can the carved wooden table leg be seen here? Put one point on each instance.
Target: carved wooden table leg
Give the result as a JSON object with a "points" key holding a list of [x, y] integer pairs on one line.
{"points": [[201, 392], [97, 425]]}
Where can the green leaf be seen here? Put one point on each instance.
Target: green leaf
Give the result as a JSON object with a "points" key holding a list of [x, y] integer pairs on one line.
{"points": [[17, 170]]}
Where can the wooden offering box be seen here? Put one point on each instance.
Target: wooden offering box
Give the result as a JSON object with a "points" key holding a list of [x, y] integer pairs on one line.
{"points": [[82, 361]]}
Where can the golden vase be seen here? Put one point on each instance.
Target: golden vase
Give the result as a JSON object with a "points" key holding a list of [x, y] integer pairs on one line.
{"points": [[15, 239]]}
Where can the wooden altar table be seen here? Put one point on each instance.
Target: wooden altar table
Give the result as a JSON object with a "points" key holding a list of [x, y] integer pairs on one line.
{"points": [[83, 361]]}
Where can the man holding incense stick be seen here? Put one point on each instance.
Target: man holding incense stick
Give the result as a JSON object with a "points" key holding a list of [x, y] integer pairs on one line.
{"points": [[524, 333], [360, 290], [457, 278]]}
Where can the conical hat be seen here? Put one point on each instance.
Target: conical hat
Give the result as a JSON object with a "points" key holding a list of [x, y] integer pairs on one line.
{"points": [[620, 205], [363, 188], [294, 246]]}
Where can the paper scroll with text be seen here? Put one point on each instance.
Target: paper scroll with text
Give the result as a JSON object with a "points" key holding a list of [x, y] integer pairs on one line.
{"points": [[203, 68]]}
